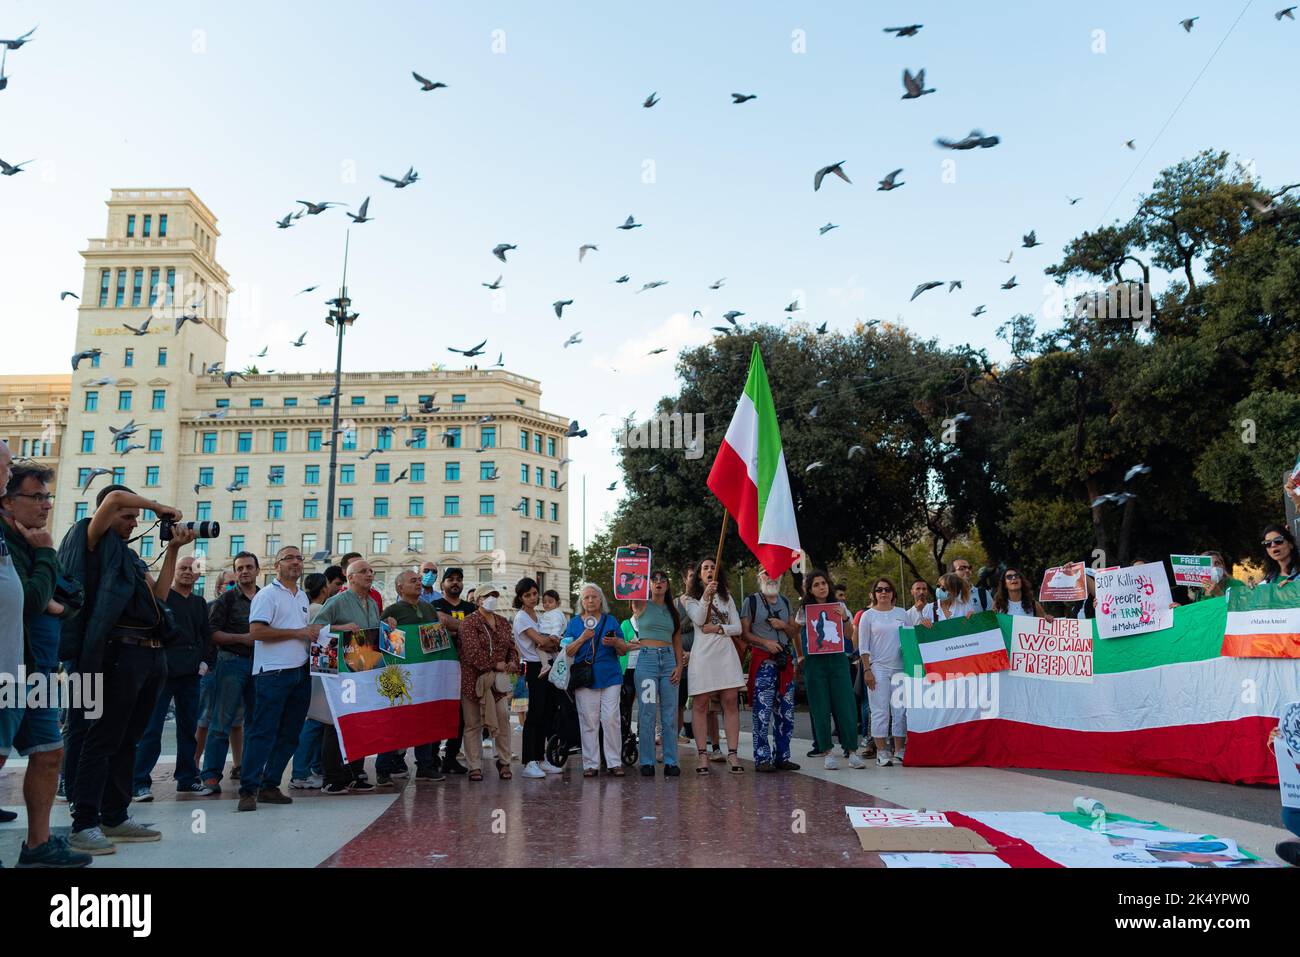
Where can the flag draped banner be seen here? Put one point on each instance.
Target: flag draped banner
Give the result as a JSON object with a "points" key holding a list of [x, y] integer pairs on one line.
{"points": [[1263, 622], [402, 702], [1167, 703], [749, 476]]}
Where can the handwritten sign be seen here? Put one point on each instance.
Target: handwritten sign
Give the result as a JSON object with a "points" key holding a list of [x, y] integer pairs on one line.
{"points": [[1058, 650], [895, 817], [1133, 601]]}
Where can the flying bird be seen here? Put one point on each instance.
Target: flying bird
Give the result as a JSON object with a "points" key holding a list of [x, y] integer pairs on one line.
{"points": [[821, 330], [914, 85], [573, 340], [471, 351], [653, 285], [143, 329], [822, 231], [315, 209], [500, 250], [973, 139], [718, 284], [199, 486], [94, 474], [1074, 200], [214, 369], [229, 376], [286, 222], [1010, 283], [732, 316], [1135, 471], [262, 354], [793, 307], [573, 432], [979, 311], [742, 97], [890, 182], [1129, 144], [611, 486], [725, 330], [426, 85], [582, 250], [15, 44], [1009, 255], [925, 287], [500, 363], [7, 169], [836, 168], [409, 177], [631, 223], [622, 279], [401, 476], [697, 314], [814, 466], [559, 305], [87, 354], [185, 317], [494, 284], [650, 100], [234, 487], [1289, 13], [360, 215], [855, 450], [1030, 240], [64, 295], [1187, 24], [908, 31], [370, 453], [655, 352], [129, 449], [275, 475], [953, 284], [107, 380], [518, 508], [299, 341]]}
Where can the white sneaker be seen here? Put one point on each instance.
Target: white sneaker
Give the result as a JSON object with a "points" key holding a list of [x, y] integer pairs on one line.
{"points": [[855, 761], [313, 782], [832, 762], [898, 758], [532, 770], [884, 759], [549, 768]]}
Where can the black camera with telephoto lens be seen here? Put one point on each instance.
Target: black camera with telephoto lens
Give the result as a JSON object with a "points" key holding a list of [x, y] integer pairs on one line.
{"points": [[201, 529]]}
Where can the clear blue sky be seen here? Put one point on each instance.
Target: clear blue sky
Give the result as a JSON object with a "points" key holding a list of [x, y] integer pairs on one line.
{"points": [[543, 146]]}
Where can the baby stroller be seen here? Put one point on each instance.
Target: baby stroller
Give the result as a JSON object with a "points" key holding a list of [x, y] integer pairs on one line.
{"points": [[566, 737]]}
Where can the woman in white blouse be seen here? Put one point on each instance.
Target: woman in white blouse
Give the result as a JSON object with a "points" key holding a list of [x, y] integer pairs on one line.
{"points": [[715, 661]]}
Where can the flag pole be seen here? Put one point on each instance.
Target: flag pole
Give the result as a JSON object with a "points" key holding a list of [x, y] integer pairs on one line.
{"points": [[717, 562]]}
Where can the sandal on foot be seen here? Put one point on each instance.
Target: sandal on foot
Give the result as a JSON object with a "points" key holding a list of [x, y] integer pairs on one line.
{"points": [[503, 772], [476, 775], [589, 772], [736, 767], [701, 765], [617, 772]]}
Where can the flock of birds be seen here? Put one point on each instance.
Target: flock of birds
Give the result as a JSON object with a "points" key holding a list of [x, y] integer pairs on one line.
{"points": [[914, 87]]}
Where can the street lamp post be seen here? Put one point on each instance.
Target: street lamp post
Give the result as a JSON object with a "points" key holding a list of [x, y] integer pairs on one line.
{"points": [[340, 319]]}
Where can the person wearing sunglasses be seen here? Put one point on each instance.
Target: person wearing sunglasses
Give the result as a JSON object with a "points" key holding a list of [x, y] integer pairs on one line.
{"points": [[1280, 559], [1013, 597], [882, 658]]}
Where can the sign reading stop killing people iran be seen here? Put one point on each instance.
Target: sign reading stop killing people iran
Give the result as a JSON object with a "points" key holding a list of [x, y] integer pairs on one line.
{"points": [[1057, 650], [632, 573], [1133, 601]]}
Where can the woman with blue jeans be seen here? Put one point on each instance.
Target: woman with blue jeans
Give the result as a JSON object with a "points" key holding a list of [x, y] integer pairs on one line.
{"points": [[658, 673]]}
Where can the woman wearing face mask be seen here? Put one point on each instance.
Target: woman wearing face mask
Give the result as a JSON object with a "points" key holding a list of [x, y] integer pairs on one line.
{"points": [[715, 660], [487, 658], [1221, 579], [826, 680], [951, 600], [1280, 560], [658, 673], [1012, 597]]}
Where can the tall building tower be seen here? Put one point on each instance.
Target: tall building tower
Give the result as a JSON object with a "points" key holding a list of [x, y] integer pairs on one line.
{"points": [[155, 263]]}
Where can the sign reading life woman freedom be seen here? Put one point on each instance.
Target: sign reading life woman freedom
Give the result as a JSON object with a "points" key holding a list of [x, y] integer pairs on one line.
{"points": [[1133, 601]]}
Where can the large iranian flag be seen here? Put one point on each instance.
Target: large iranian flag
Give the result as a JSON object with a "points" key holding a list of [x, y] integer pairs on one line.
{"points": [[402, 702], [1263, 622], [1166, 704], [749, 476], [963, 646]]}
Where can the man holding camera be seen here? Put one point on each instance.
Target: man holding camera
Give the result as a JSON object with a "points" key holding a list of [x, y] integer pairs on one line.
{"points": [[119, 635], [31, 726], [767, 625], [233, 686]]}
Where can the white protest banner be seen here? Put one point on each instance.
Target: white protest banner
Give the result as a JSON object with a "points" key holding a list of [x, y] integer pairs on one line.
{"points": [[1133, 601], [1192, 570], [1064, 583], [895, 817], [1286, 746], [1058, 650]]}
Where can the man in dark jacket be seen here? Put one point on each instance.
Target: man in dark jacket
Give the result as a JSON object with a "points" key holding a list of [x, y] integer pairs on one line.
{"points": [[33, 729], [187, 653], [118, 635]]}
